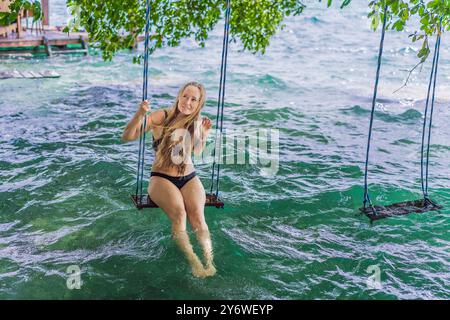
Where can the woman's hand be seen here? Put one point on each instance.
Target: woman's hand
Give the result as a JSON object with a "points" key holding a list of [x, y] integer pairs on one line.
{"points": [[203, 135], [144, 107], [132, 130], [206, 124]]}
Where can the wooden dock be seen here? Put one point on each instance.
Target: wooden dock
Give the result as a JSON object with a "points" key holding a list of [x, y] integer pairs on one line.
{"points": [[50, 42], [17, 39], [28, 74]]}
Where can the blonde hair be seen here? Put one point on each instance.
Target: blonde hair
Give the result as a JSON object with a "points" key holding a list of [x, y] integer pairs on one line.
{"points": [[171, 124]]}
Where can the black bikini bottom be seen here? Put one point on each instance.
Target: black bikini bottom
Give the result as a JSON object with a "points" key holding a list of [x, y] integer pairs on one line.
{"points": [[179, 182]]}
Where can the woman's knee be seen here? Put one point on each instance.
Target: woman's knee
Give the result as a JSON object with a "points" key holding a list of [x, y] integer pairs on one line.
{"points": [[178, 218], [198, 222]]}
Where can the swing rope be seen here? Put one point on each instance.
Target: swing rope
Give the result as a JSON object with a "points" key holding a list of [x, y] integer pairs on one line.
{"points": [[433, 77], [221, 101], [374, 99], [140, 172]]}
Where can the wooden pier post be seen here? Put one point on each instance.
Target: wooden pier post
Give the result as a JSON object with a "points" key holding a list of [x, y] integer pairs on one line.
{"points": [[48, 49], [84, 45], [45, 11]]}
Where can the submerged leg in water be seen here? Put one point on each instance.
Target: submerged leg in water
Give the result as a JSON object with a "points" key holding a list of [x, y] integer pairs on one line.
{"points": [[181, 238], [170, 199], [204, 239], [194, 199]]}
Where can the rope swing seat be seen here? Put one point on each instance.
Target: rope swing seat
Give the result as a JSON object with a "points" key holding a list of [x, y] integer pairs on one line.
{"points": [[377, 212], [144, 201], [425, 204], [141, 199]]}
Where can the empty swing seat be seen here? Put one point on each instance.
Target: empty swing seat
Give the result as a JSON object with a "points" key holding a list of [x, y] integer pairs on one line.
{"points": [[397, 209], [144, 201]]}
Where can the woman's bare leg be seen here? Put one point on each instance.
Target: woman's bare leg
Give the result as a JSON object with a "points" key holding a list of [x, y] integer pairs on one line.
{"points": [[170, 199], [204, 238], [194, 202]]}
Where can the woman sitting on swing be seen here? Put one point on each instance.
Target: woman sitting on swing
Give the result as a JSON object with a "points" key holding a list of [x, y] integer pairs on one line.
{"points": [[174, 186]]}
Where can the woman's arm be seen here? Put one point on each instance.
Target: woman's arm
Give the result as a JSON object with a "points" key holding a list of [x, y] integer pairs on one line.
{"points": [[133, 129]]}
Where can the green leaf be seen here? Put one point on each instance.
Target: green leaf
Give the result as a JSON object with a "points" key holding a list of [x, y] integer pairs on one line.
{"points": [[375, 22]]}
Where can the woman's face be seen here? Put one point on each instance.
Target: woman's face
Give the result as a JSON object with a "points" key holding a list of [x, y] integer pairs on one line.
{"points": [[189, 100]]}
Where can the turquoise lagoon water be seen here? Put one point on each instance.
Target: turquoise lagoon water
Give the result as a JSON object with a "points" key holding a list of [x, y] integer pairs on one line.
{"points": [[66, 177]]}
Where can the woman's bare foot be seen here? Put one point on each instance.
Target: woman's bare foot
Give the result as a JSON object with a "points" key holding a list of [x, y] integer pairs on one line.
{"points": [[210, 270], [197, 267], [199, 271]]}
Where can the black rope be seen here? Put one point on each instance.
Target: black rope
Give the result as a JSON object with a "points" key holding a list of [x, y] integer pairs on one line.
{"points": [[425, 120], [374, 99], [221, 99], [434, 70], [140, 173]]}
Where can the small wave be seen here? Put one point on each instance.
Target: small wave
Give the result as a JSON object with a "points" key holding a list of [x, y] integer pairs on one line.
{"points": [[356, 109], [315, 20], [272, 82], [403, 141], [410, 115], [281, 114]]}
